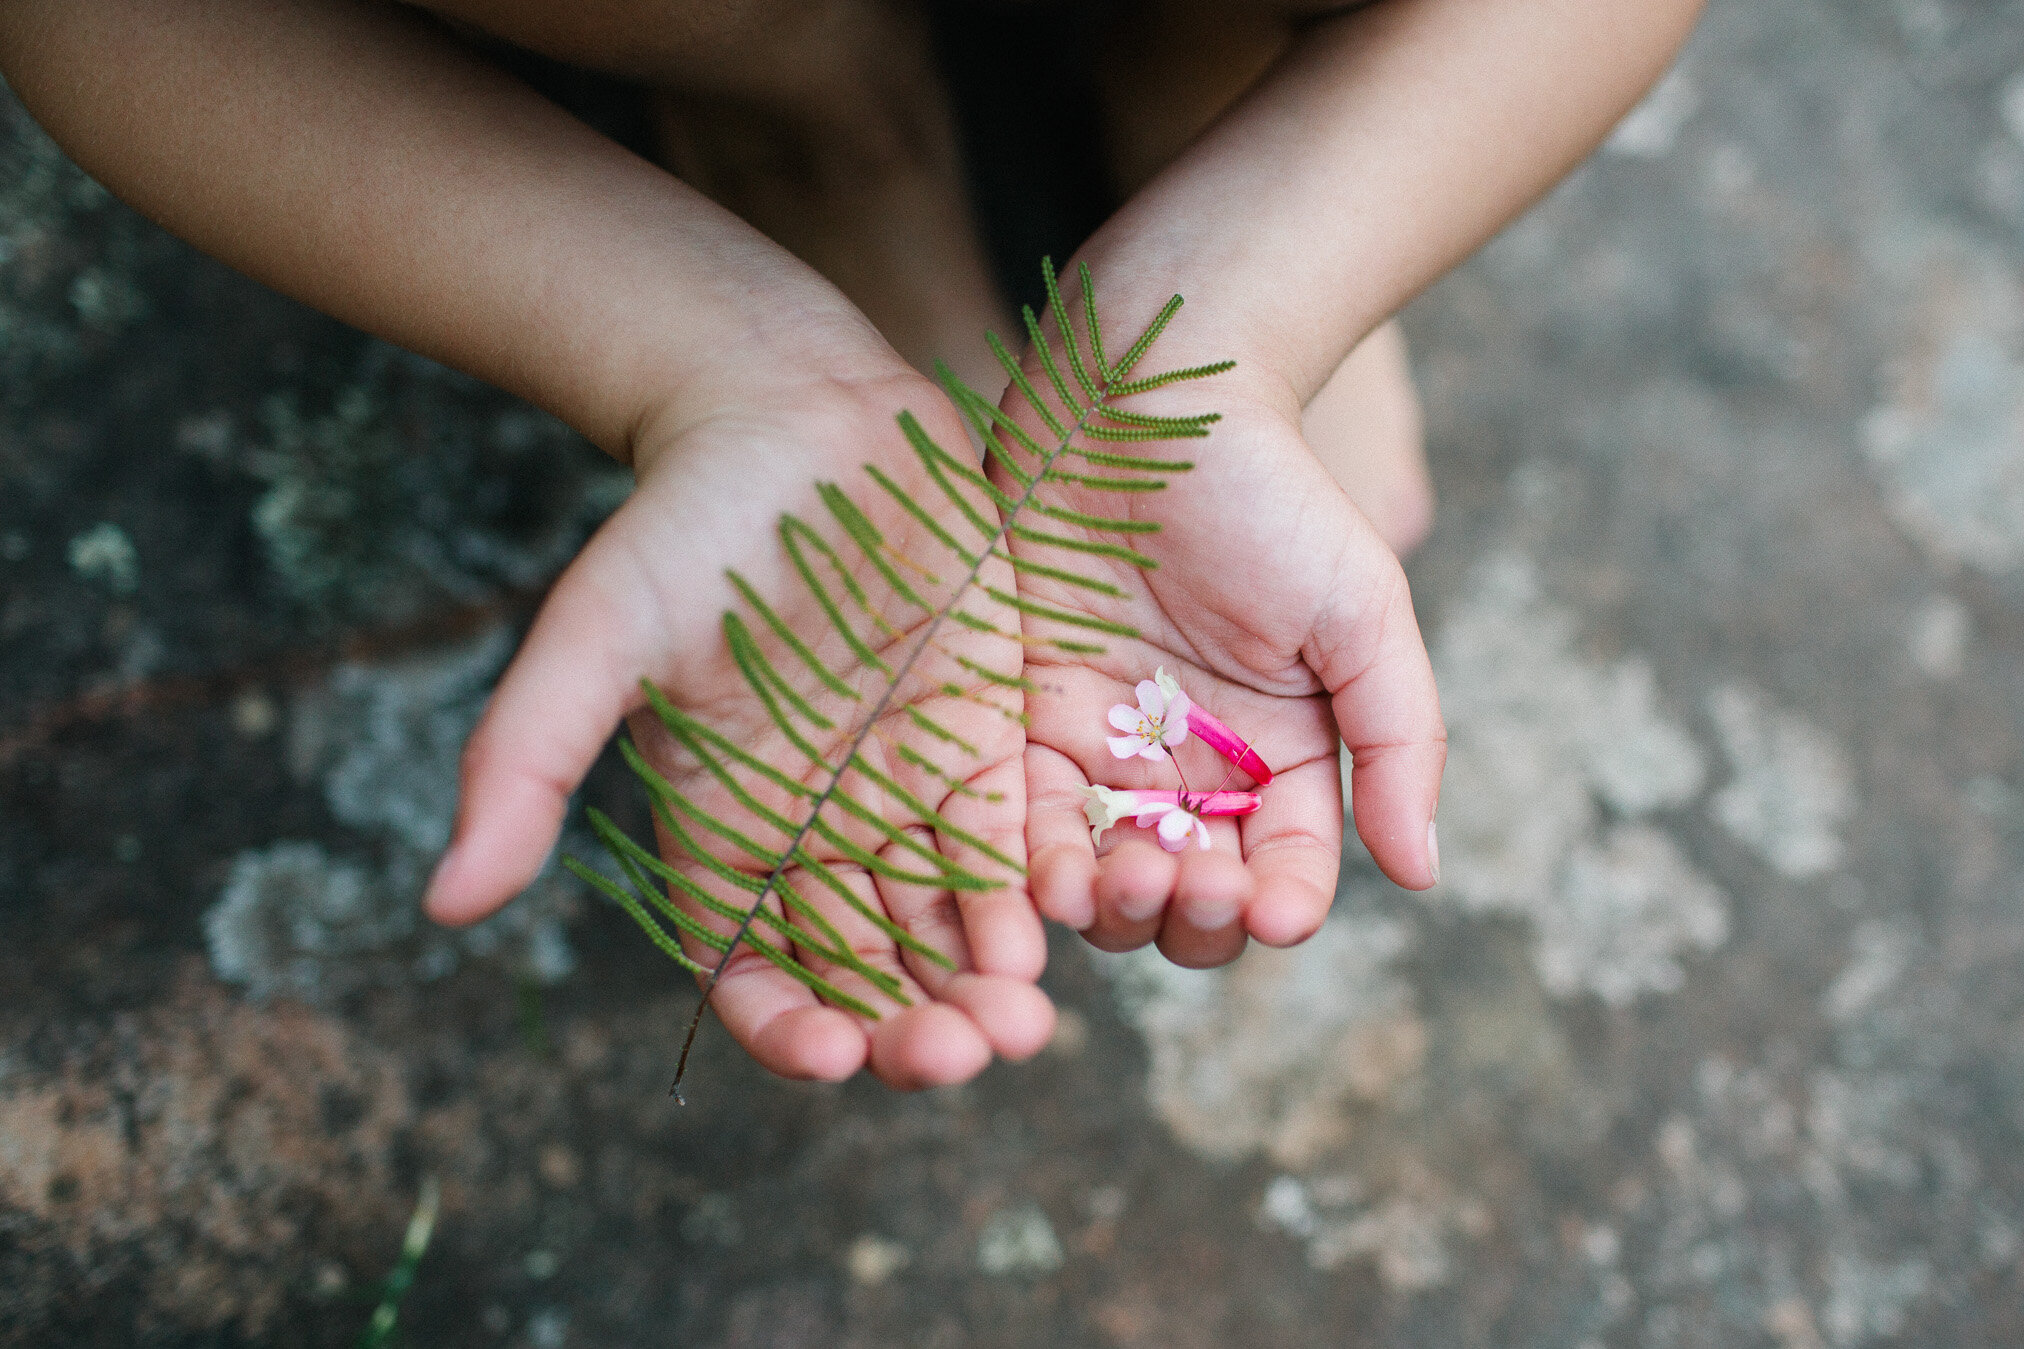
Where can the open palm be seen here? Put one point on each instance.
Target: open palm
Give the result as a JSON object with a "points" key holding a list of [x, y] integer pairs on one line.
{"points": [[647, 599], [1280, 611]]}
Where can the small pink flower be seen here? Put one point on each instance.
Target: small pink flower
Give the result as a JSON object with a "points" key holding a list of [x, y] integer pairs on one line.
{"points": [[1177, 814], [1175, 826], [1156, 725], [1164, 717]]}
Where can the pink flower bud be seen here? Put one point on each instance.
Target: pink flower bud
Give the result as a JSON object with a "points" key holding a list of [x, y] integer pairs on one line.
{"points": [[1229, 744]]}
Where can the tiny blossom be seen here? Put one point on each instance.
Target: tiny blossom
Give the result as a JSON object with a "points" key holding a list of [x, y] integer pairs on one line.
{"points": [[1177, 814], [1175, 826], [1165, 717], [1156, 725]]}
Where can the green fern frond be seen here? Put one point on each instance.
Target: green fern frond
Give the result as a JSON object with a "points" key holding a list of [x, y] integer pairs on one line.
{"points": [[832, 813]]}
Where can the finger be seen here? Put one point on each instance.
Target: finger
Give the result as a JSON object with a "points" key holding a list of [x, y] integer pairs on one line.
{"points": [[783, 1026], [1000, 926], [1008, 1011], [776, 1017], [931, 1045], [1371, 659], [1133, 884], [1293, 846], [865, 940], [1016, 1017], [573, 679], [1061, 859], [1203, 926]]}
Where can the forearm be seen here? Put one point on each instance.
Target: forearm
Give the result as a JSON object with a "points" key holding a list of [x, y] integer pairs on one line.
{"points": [[1387, 146], [353, 156]]}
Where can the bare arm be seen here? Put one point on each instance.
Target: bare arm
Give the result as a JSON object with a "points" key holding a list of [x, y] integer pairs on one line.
{"points": [[1387, 145], [353, 156], [1384, 147]]}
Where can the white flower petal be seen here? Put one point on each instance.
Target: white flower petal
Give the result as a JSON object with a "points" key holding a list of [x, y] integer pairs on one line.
{"points": [[1153, 751], [1150, 813], [1126, 717], [1167, 683], [1152, 699], [1124, 746], [1103, 807], [1175, 826]]}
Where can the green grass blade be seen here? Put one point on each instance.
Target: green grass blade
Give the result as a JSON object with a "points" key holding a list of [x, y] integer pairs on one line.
{"points": [[414, 1244]]}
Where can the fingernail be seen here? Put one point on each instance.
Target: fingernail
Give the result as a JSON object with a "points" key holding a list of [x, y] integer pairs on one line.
{"points": [[1434, 851], [1212, 915], [1137, 908]]}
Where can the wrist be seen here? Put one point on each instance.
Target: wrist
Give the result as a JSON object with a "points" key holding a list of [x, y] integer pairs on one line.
{"points": [[825, 397], [767, 358]]}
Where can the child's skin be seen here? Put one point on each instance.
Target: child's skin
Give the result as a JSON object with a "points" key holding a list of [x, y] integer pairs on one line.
{"points": [[356, 156]]}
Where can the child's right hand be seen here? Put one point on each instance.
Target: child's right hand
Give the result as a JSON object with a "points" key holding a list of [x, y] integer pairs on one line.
{"points": [[646, 599], [358, 158]]}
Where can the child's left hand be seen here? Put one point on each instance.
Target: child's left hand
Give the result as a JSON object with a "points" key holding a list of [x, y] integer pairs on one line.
{"points": [[1280, 611]]}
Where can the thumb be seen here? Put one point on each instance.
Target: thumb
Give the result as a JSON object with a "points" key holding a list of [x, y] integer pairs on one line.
{"points": [[1374, 664], [574, 678]]}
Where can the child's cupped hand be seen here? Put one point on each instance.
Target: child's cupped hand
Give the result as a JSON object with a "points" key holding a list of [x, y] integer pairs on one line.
{"points": [[646, 599], [1281, 612]]}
